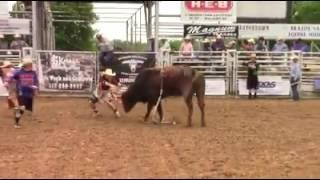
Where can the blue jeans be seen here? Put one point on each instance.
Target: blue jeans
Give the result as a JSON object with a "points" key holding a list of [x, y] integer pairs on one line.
{"points": [[294, 88]]}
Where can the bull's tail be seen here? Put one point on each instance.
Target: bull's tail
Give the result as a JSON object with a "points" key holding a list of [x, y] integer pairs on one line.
{"points": [[199, 88]]}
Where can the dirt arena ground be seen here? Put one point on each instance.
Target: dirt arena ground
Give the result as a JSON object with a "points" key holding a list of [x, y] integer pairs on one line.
{"points": [[263, 138]]}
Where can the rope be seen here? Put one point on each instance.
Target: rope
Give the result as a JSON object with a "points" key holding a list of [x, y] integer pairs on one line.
{"points": [[160, 96]]}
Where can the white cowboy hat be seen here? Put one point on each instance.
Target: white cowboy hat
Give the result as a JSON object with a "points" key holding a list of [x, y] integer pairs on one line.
{"points": [[293, 57], [26, 61], [6, 64], [205, 41], [17, 36], [1, 36], [219, 36], [108, 72], [20, 65], [251, 41], [187, 37], [232, 42]]}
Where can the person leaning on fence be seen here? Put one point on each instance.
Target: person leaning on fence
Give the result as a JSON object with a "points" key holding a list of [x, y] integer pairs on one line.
{"points": [[295, 76], [218, 45], [18, 43], [186, 48], [3, 42], [250, 45], [27, 88], [105, 52], [165, 50], [252, 79], [261, 49], [107, 91], [280, 46]]}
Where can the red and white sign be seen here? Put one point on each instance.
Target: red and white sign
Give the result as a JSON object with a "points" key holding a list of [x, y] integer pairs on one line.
{"points": [[208, 12]]}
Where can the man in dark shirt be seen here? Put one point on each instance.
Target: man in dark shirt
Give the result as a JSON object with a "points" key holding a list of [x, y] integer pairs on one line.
{"points": [[252, 80]]}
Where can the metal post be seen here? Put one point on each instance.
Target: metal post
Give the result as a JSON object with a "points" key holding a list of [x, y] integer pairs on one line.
{"points": [[131, 36], [149, 32], [135, 28], [34, 25], [156, 30], [127, 30], [140, 26]]}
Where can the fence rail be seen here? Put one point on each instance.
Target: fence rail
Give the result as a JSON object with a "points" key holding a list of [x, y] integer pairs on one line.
{"points": [[225, 71]]}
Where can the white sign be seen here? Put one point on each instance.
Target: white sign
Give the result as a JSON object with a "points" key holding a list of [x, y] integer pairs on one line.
{"points": [[271, 31], [4, 9], [15, 26], [268, 85], [262, 9], [286, 31], [208, 12], [3, 90], [215, 87]]}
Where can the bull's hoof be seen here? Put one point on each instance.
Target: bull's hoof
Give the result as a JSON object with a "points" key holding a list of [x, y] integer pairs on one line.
{"points": [[203, 125], [189, 126]]}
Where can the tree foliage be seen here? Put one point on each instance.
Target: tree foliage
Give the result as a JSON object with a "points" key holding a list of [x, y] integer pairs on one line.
{"points": [[306, 12], [74, 36]]}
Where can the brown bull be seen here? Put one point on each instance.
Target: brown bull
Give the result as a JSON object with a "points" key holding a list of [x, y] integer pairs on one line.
{"points": [[176, 81]]}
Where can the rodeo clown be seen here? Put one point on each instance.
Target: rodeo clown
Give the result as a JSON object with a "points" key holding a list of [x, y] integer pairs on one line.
{"points": [[107, 92], [8, 71]]}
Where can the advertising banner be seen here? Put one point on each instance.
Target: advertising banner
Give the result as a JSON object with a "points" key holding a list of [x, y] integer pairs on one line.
{"points": [[208, 12], [61, 71], [268, 85], [227, 31], [130, 65], [215, 87]]}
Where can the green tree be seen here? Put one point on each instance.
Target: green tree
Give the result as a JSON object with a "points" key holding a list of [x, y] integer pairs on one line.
{"points": [[74, 36], [175, 45], [306, 12]]}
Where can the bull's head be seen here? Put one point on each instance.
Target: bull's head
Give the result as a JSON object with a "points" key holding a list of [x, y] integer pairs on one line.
{"points": [[133, 67], [128, 100]]}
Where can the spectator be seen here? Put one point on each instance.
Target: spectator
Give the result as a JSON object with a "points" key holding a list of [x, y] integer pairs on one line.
{"points": [[248, 45], [231, 45], [165, 45], [295, 76], [18, 43], [164, 51], [218, 45], [186, 48], [299, 45], [206, 45], [280, 46], [3, 43], [260, 46]]}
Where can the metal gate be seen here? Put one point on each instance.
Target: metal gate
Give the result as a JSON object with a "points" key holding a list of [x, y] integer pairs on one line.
{"points": [[216, 67]]}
